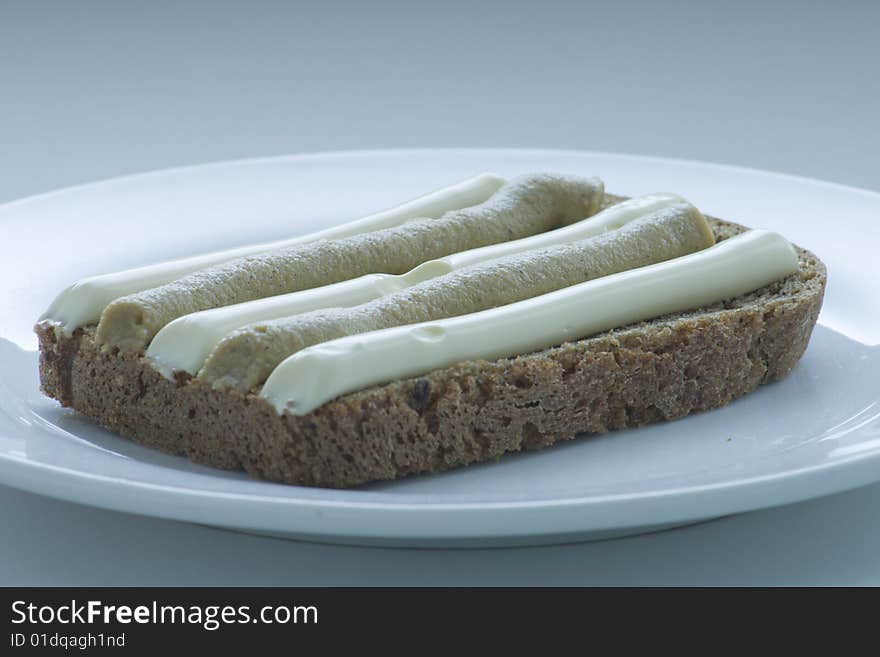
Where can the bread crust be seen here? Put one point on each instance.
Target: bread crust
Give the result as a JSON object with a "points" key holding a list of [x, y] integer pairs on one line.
{"points": [[474, 411]]}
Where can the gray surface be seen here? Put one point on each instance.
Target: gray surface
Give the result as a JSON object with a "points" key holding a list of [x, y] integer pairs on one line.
{"points": [[92, 90], [831, 541]]}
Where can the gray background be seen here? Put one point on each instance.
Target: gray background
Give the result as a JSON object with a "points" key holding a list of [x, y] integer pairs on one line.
{"points": [[91, 90]]}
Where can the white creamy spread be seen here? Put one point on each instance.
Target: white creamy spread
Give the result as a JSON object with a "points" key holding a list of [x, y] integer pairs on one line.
{"points": [[83, 302], [738, 265], [185, 343]]}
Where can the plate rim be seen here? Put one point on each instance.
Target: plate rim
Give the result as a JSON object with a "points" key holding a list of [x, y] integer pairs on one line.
{"points": [[88, 488], [97, 490], [374, 152]]}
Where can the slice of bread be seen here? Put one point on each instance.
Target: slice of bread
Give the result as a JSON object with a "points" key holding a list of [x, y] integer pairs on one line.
{"points": [[474, 411]]}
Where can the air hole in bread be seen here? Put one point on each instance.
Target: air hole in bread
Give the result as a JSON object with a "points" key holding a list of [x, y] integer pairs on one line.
{"points": [[531, 436]]}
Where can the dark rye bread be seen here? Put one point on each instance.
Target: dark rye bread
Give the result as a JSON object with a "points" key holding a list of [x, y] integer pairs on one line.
{"points": [[473, 411]]}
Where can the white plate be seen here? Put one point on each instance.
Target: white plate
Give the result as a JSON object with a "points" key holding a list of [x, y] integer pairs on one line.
{"points": [[815, 433]]}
